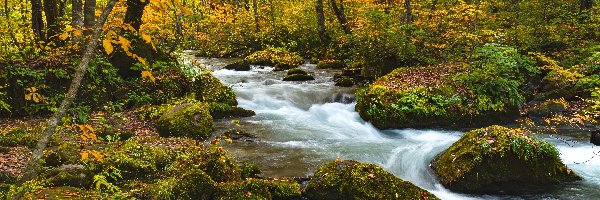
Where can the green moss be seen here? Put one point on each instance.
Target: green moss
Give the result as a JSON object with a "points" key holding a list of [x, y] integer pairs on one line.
{"points": [[242, 65], [73, 175], [249, 170], [283, 189], [344, 82], [137, 160], [354, 180], [251, 189], [214, 161], [210, 89], [331, 64], [221, 110], [186, 120], [7, 177], [296, 71], [64, 193], [496, 158], [24, 136], [298, 77], [65, 154], [276, 56], [195, 184]]}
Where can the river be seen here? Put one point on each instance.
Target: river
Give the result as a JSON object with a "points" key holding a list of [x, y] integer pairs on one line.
{"points": [[300, 126]]}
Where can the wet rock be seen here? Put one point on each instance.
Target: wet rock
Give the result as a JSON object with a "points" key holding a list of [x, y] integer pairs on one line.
{"points": [[547, 108], [239, 135], [353, 180], [351, 72], [298, 75], [242, 65], [595, 137], [209, 88], [186, 120], [259, 189], [496, 159]]}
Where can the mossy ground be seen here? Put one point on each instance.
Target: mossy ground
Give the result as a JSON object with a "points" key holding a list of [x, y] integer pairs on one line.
{"points": [[495, 158]]}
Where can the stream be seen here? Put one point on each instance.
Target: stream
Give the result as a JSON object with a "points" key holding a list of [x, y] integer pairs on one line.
{"points": [[300, 126]]}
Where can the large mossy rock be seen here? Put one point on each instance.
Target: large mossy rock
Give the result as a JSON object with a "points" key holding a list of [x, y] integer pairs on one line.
{"points": [[221, 111], [353, 180], [209, 88], [186, 120], [259, 189], [135, 159], [281, 58], [426, 97], [242, 65], [297, 74], [195, 184], [496, 159]]}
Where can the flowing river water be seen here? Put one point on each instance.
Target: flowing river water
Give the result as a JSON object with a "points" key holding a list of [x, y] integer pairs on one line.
{"points": [[300, 126]]}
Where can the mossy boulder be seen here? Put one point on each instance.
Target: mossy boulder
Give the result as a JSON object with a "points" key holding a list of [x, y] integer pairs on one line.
{"points": [[259, 189], [297, 74], [427, 97], [65, 154], [186, 120], [214, 161], [496, 159], [195, 184], [137, 160], [65, 192], [276, 56], [296, 71], [71, 175], [331, 64], [221, 111], [209, 88], [344, 82], [242, 65], [249, 170], [354, 180], [547, 108]]}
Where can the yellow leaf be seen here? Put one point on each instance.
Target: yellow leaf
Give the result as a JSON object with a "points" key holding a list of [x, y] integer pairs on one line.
{"points": [[148, 74], [84, 155], [146, 38], [63, 36], [107, 46]]}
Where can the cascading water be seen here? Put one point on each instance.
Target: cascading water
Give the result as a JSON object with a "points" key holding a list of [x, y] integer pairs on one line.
{"points": [[300, 126]]}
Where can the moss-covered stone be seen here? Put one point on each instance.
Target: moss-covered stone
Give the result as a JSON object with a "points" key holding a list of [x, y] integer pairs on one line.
{"points": [[221, 111], [259, 189], [249, 170], [186, 120], [63, 193], [24, 136], [548, 108], [427, 97], [71, 175], [298, 77], [137, 160], [331, 64], [276, 56], [8, 178], [344, 82], [214, 161], [209, 88], [65, 154], [242, 65], [497, 159], [296, 71], [195, 184], [353, 180]]}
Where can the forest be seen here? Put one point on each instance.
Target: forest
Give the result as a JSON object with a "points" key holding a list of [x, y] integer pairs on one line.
{"points": [[293, 100]]}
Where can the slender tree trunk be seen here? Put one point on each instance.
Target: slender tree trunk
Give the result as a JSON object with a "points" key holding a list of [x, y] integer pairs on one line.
{"points": [[37, 23], [51, 12], [321, 22], [341, 15], [77, 16], [89, 15], [408, 12], [255, 7], [30, 170]]}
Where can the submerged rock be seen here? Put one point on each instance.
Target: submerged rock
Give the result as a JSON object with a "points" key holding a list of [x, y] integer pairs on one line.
{"points": [[296, 74], [353, 180], [186, 120], [496, 159], [242, 65]]}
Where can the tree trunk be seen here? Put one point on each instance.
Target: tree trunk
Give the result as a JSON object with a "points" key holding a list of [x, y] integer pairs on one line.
{"points": [[77, 13], [30, 170], [586, 4], [37, 23], [134, 13], [408, 12], [89, 15], [321, 22], [255, 7], [341, 15], [51, 11]]}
